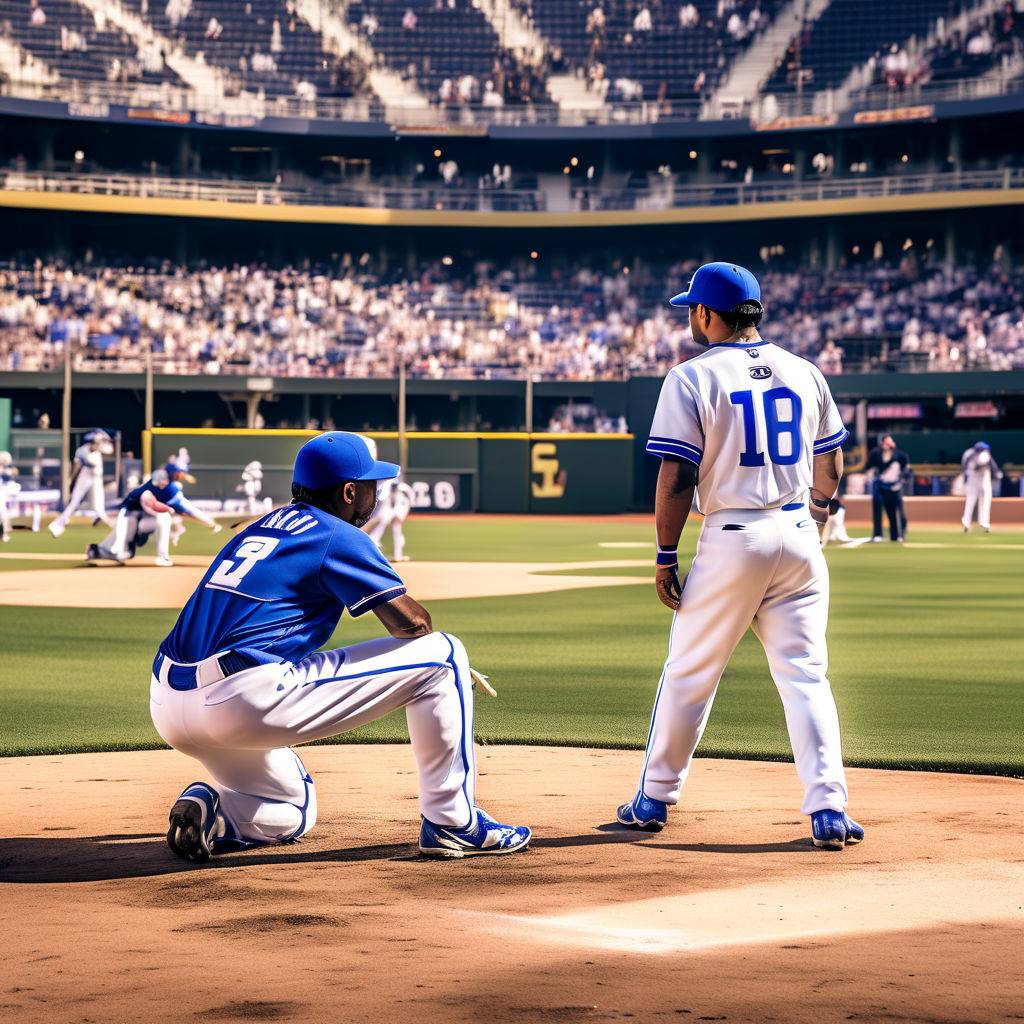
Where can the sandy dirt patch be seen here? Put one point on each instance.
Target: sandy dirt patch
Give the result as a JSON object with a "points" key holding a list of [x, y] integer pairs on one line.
{"points": [[140, 584], [729, 914]]}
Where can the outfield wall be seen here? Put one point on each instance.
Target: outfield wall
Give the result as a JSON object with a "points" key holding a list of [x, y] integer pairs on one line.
{"points": [[449, 472]]}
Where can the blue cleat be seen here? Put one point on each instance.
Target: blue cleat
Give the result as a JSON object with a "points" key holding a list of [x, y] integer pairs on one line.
{"points": [[832, 830], [483, 836], [643, 813], [193, 823]]}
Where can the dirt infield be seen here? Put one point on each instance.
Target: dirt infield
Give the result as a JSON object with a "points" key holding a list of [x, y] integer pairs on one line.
{"points": [[729, 914], [140, 584]]}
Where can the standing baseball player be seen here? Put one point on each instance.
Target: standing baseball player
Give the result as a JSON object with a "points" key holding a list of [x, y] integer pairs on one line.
{"points": [[251, 485], [394, 502], [145, 511], [9, 489], [753, 430], [87, 481], [979, 470], [237, 682]]}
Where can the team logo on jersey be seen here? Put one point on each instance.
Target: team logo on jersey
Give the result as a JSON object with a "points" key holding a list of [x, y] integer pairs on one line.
{"points": [[753, 353], [760, 372]]}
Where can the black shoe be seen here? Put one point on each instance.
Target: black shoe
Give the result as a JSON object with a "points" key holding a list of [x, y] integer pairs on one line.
{"points": [[193, 823]]}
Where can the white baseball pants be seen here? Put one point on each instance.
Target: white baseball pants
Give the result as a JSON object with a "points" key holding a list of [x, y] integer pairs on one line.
{"points": [[394, 515], [241, 728], [131, 525], [835, 529], [87, 484], [763, 569], [978, 494], [251, 489], [5, 514]]}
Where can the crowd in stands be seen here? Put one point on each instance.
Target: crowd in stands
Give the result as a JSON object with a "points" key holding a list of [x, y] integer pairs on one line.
{"points": [[954, 54], [671, 54], [263, 46], [348, 321], [662, 50]]}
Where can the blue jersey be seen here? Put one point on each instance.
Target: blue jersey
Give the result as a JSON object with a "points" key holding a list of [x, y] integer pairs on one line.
{"points": [[170, 495], [277, 591]]}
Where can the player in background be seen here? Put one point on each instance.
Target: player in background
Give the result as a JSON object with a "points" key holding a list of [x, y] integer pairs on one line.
{"points": [[394, 503], [252, 485], [9, 489], [87, 481], [834, 531], [753, 432], [237, 682], [979, 470], [888, 467], [145, 511], [177, 467]]}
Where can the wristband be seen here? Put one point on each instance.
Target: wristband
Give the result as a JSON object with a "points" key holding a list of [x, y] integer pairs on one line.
{"points": [[667, 555]]}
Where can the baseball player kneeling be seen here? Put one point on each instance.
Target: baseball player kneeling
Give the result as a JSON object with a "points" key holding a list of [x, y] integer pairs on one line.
{"points": [[145, 511], [237, 682], [754, 431]]}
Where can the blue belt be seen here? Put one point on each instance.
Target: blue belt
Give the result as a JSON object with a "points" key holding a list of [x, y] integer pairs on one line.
{"points": [[186, 677]]}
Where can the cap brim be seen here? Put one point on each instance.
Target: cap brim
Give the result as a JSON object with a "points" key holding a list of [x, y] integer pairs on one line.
{"points": [[682, 299], [381, 471]]}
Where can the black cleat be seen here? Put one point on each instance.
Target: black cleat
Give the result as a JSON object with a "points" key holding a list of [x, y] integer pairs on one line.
{"points": [[193, 823]]}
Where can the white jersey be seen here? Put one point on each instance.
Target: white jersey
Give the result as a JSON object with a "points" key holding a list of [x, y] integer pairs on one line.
{"points": [[979, 467], [751, 416], [89, 459]]}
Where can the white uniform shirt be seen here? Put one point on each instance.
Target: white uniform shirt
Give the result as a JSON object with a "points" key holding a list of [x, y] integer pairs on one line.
{"points": [[89, 459], [752, 417], [979, 467]]}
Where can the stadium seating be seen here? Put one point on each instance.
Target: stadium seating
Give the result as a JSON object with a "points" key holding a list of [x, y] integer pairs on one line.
{"points": [[567, 321], [448, 46], [264, 44], [671, 54], [69, 39], [673, 59], [847, 35]]}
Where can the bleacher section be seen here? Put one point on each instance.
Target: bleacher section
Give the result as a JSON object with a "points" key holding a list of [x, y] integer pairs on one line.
{"points": [[263, 44], [440, 43], [847, 35], [78, 45], [682, 55], [669, 55]]}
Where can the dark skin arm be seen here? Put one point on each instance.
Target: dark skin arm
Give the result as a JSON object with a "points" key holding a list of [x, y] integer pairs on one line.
{"points": [[828, 471], [673, 500], [404, 618]]}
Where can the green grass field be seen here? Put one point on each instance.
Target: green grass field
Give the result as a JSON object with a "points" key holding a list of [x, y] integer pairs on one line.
{"points": [[926, 651]]}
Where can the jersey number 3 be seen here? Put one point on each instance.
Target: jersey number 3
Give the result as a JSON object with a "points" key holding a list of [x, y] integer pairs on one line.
{"points": [[775, 427], [231, 571]]}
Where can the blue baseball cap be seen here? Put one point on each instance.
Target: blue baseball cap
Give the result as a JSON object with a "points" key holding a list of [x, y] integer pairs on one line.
{"points": [[335, 457], [983, 446], [719, 286]]}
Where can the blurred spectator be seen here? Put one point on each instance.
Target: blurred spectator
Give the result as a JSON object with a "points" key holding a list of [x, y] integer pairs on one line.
{"points": [[689, 17]]}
